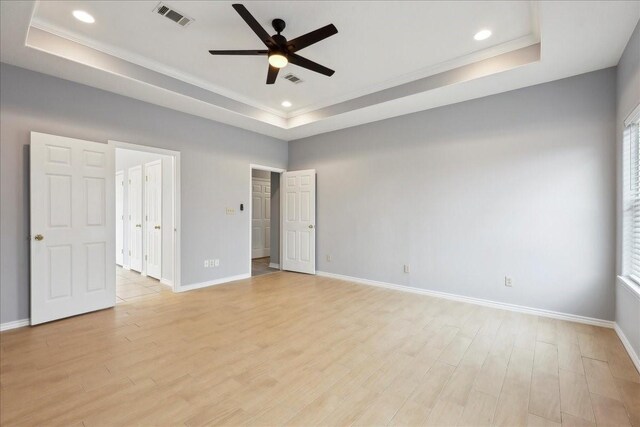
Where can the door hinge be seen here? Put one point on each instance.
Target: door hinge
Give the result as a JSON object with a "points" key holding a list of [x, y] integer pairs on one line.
{"points": [[129, 181], [145, 257], [129, 253], [146, 217], [146, 178], [122, 251]]}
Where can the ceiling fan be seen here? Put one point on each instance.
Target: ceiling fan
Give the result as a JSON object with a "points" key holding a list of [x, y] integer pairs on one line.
{"points": [[280, 51]]}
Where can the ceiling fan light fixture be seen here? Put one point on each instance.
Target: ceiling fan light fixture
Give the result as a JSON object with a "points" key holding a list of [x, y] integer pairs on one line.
{"points": [[278, 60]]}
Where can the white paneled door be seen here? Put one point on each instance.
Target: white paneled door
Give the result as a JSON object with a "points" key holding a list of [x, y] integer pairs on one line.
{"points": [[153, 218], [299, 221], [135, 218], [72, 227], [119, 192], [260, 217]]}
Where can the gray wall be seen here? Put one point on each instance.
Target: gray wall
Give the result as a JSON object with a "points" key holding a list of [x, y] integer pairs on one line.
{"points": [[519, 184], [628, 90], [215, 160], [126, 159]]}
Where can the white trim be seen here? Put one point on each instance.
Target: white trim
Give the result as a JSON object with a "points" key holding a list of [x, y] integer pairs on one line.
{"points": [[215, 282], [633, 117], [632, 286], [627, 345], [175, 155], [166, 283], [274, 265], [477, 301], [250, 207], [15, 324]]}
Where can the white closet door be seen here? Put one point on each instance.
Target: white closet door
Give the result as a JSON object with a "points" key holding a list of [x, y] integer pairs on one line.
{"points": [[298, 231], [153, 218], [72, 226], [119, 195], [135, 218], [260, 217]]}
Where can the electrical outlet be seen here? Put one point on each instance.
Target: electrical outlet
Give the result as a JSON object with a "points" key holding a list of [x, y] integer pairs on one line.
{"points": [[406, 268], [328, 258], [206, 263], [216, 262], [231, 211], [508, 282]]}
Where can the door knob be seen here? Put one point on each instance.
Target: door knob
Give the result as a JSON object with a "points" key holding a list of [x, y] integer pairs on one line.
{"points": [[138, 225], [157, 227], [310, 226], [39, 237]]}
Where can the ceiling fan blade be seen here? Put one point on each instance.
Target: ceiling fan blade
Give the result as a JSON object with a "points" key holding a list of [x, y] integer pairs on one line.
{"points": [[238, 52], [311, 38], [272, 74], [255, 26], [310, 65]]}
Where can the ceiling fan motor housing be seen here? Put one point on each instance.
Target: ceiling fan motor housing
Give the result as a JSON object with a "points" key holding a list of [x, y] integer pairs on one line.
{"points": [[278, 25]]}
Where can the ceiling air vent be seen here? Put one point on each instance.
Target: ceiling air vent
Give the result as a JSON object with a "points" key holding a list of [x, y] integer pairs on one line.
{"points": [[292, 78], [174, 15]]}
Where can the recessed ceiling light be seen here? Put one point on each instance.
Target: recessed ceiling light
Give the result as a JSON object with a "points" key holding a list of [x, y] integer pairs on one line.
{"points": [[83, 16], [286, 104], [482, 35]]}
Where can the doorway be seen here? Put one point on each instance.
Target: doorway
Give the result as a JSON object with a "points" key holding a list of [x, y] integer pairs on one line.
{"points": [[146, 205], [264, 209]]}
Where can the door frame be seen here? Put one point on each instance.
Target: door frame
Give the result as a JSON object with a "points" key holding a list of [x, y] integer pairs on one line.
{"points": [[175, 285], [250, 210]]}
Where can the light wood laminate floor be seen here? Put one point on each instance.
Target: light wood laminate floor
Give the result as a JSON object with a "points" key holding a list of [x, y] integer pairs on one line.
{"points": [[131, 285], [289, 349]]}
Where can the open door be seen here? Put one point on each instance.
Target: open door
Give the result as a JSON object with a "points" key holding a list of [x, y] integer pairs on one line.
{"points": [[299, 221], [120, 218], [153, 218], [72, 227], [135, 218]]}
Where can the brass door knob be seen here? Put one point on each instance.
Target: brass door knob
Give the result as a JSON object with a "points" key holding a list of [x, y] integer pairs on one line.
{"points": [[39, 237], [310, 226], [138, 225], [157, 227]]}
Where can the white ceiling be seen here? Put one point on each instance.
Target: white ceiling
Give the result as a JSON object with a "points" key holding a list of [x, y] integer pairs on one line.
{"points": [[390, 58]]}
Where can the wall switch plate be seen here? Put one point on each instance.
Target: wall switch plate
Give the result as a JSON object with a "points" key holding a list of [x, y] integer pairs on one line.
{"points": [[206, 263], [216, 262], [508, 282], [328, 258], [231, 211], [406, 268]]}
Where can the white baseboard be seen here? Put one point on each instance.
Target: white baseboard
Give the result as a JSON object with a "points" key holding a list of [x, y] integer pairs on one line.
{"points": [[166, 282], [627, 345], [478, 301], [15, 324], [274, 265], [215, 282]]}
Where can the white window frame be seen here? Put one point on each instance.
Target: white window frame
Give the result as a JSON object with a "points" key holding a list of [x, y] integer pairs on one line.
{"points": [[631, 196]]}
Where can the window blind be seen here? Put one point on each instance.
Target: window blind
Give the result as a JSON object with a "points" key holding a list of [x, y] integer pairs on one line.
{"points": [[632, 140]]}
